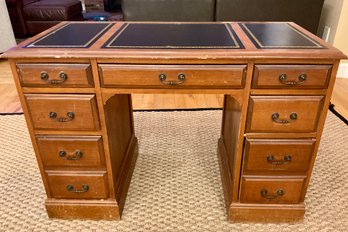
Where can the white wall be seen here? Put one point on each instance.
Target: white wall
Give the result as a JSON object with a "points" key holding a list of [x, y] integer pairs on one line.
{"points": [[335, 16], [7, 39]]}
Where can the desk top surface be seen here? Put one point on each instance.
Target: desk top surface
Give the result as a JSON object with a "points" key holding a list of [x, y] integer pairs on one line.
{"points": [[144, 40]]}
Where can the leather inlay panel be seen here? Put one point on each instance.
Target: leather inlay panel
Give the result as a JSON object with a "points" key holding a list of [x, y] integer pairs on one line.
{"points": [[165, 35], [277, 36], [72, 35]]}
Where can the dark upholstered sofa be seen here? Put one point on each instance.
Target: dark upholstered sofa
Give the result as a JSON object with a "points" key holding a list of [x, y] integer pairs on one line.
{"points": [[303, 12], [29, 17]]}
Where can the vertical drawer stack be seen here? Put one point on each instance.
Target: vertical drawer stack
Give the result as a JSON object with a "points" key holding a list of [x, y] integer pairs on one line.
{"points": [[281, 132], [66, 129]]}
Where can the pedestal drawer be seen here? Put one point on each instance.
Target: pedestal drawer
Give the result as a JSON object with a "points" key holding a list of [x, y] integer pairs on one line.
{"points": [[71, 151], [270, 190], [89, 185], [284, 113], [277, 156], [160, 76], [55, 75], [291, 76], [63, 111]]}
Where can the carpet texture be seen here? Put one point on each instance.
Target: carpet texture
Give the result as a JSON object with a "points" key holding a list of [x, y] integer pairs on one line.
{"points": [[176, 183]]}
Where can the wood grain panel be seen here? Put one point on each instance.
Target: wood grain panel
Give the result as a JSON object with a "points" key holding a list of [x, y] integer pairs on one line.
{"points": [[83, 107], [277, 156], [96, 182], [306, 108], [80, 151], [267, 76], [78, 75], [209, 76], [252, 186]]}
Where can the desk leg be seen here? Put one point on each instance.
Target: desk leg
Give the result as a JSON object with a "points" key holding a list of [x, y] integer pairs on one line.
{"points": [[227, 146], [123, 145]]}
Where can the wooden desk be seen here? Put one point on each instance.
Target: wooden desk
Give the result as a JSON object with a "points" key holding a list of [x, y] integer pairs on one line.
{"points": [[75, 81]]}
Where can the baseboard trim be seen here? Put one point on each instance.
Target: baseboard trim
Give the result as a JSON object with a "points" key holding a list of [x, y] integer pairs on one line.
{"points": [[342, 71]]}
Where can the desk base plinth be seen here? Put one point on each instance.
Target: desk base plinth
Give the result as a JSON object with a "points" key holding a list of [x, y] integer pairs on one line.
{"points": [[83, 209], [239, 212]]}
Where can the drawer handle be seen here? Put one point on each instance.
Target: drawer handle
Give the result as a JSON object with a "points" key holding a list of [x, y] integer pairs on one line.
{"points": [[301, 79], [275, 118], [287, 159], [163, 77], [54, 116], [72, 189], [264, 194], [74, 156], [45, 77]]}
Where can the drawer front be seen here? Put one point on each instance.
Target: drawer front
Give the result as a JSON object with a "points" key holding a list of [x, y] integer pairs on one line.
{"points": [[78, 186], [284, 113], [55, 75], [168, 76], [63, 111], [291, 76], [271, 190], [277, 155], [71, 151]]}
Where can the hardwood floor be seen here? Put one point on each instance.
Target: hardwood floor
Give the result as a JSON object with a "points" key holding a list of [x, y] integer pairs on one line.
{"points": [[9, 102]]}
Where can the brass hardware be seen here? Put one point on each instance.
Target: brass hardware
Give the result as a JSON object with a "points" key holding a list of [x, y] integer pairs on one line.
{"points": [[54, 115], [45, 77], [275, 118], [287, 159], [264, 194], [72, 189], [293, 116], [163, 77], [75, 156], [301, 79]]}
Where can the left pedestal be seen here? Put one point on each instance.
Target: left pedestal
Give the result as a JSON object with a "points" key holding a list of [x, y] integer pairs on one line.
{"points": [[86, 148]]}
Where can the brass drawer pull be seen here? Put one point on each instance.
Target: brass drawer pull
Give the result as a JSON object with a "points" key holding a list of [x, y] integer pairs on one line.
{"points": [[287, 159], [72, 189], [45, 77], [264, 194], [74, 156], [301, 79], [163, 77], [275, 118], [54, 115]]}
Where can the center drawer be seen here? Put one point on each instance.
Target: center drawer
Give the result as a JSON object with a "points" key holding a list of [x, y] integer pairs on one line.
{"points": [[63, 111], [284, 113], [166, 76]]}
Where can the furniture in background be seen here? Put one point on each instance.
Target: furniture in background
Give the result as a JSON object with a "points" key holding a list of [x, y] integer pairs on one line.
{"points": [[112, 5], [169, 10], [306, 13], [75, 83], [29, 17]]}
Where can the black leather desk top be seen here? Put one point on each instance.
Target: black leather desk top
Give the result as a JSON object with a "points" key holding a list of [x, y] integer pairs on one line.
{"points": [[172, 42], [72, 35], [179, 36], [277, 36]]}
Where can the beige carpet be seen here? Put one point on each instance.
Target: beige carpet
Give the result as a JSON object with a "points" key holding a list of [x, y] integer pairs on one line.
{"points": [[176, 184]]}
